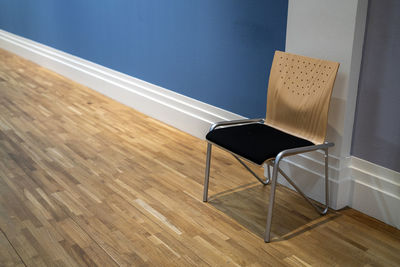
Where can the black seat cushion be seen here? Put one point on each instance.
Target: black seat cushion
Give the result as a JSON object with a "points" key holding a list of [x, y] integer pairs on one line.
{"points": [[255, 142]]}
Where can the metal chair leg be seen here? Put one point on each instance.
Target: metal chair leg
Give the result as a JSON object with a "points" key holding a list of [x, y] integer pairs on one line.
{"points": [[326, 182], [269, 171], [207, 175], [274, 178], [267, 237], [276, 169]]}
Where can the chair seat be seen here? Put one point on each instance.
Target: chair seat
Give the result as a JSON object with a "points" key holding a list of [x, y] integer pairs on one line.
{"points": [[256, 142]]}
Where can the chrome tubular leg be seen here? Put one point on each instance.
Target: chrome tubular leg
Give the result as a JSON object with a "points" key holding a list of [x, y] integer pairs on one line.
{"points": [[326, 182], [267, 237], [269, 171], [251, 171], [207, 175]]}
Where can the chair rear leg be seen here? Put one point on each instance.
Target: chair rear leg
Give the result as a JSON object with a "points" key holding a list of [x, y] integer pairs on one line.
{"points": [[269, 171], [207, 174], [267, 237], [326, 182]]}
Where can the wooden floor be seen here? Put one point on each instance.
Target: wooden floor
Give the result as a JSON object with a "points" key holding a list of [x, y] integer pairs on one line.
{"points": [[85, 180]]}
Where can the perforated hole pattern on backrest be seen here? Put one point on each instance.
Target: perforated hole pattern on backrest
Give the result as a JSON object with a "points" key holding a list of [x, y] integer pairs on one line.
{"points": [[303, 76], [299, 92]]}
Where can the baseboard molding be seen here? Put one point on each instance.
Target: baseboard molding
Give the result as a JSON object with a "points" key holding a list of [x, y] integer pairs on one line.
{"points": [[359, 184], [375, 191], [364, 186], [184, 113]]}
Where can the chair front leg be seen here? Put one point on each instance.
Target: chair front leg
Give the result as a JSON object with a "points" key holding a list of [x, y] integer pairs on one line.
{"points": [[267, 237], [207, 174]]}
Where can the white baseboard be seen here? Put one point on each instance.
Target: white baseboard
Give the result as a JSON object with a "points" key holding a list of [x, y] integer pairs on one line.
{"points": [[361, 185], [375, 191], [364, 186], [184, 113]]}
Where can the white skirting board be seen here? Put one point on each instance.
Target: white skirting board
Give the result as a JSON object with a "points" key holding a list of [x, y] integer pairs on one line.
{"points": [[375, 191], [369, 188], [184, 113]]}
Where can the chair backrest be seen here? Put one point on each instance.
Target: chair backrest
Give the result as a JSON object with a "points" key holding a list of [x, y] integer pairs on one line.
{"points": [[299, 93]]}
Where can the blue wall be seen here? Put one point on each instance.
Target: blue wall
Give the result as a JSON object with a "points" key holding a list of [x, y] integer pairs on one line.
{"points": [[216, 51]]}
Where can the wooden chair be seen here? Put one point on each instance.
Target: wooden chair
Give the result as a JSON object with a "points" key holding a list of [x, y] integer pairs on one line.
{"points": [[299, 92]]}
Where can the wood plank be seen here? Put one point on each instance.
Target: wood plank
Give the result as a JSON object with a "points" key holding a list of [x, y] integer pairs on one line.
{"points": [[8, 255]]}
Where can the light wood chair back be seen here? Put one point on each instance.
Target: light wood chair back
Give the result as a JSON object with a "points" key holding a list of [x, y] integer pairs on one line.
{"points": [[299, 93]]}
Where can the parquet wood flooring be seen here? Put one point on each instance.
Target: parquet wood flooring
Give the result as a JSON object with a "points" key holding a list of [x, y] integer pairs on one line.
{"points": [[85, 180]]}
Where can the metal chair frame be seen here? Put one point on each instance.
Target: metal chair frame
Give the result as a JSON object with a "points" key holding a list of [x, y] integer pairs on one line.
{"points": [[272, 162]]}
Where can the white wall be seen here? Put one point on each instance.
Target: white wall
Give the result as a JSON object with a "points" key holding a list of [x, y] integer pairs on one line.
{"points": [[332, 30]]}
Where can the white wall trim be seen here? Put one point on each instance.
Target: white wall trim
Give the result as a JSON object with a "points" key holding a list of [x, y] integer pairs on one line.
{"points": [[184, 113], [375, 191]]}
